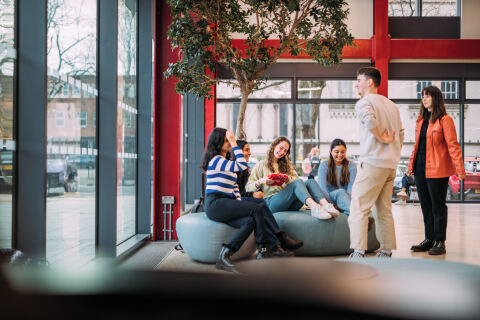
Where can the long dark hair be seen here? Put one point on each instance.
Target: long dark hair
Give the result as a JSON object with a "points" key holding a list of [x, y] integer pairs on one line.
{"points": [[216, 139], [332, 168], [242, 176], [284, 164], [438, 104]]}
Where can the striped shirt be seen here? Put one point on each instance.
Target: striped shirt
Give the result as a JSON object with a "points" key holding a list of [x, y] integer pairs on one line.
{"points": [[221, 174]]}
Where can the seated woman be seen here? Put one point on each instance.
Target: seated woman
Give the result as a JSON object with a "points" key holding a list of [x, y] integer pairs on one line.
{"points": [[294, 193], [336, 176], [257, 197], [223, 202]]}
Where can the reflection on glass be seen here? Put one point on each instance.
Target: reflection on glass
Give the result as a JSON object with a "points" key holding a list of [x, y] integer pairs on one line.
{"points": [[471, 156], [7, 147], [327, 89], [306, 117], [71, 134], [439, 8], [473, 89], [412, 89], [126, 120], [274, 89], [263, 123], [401, 8]]}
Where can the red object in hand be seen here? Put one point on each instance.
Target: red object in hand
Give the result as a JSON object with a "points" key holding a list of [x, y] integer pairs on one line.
{"points": [[278, 178]]}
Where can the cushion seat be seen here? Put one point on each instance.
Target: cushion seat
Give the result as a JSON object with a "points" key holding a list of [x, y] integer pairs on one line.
{"points": [[202, 238], [320, 237]]}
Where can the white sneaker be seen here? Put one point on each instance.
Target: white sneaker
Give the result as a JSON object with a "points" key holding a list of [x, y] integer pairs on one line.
{"points": [[331, 209], [402, 194], [401, 202], [318, 212]]}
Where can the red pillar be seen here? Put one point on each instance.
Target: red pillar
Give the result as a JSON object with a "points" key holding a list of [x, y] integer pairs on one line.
{"points": [[381, 43], [167, 126], [209, 114]]}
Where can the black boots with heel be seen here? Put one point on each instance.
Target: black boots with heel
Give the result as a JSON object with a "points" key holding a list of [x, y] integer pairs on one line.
{"points": [[425, 245], [287, 242], [437, 248]]}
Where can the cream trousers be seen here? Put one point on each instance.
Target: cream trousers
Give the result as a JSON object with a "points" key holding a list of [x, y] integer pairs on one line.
{"points": [[372, 186]]}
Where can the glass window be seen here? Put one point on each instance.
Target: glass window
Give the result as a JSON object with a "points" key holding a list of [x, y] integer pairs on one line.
{"points": [[429, 8], [473, 89], [82, 119], [412, 89], [439, 8], [401, 8], [306, 135], [71, 148], [7, 138], [326, 89], [263, 123], [126, 120], [273, 89], [471, 155], [152, 115]]}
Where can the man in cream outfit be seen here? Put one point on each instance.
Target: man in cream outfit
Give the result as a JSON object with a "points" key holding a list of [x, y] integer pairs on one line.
{"points": [[381, 138]]}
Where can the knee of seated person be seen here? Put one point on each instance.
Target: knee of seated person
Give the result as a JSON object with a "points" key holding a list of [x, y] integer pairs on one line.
{"points": [[259, 210], [300, 181]]}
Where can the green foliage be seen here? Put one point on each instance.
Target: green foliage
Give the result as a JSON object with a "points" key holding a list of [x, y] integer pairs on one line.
{"points": [[203, 33]]}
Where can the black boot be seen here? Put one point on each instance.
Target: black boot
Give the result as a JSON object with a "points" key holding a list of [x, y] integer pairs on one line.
{"points": [[425, 245], [287, 242], [438, 248], [223, 261]]}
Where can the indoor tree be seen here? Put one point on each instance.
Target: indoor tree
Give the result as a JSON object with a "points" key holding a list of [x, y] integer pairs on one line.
{"points": [[203, 32]]}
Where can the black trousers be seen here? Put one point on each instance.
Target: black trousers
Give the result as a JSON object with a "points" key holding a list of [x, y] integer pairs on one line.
{"points": [[247, 216], [432, 193]]}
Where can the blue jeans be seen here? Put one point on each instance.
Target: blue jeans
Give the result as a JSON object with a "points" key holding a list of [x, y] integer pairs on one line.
{"points": [[293, 197], [342, 199]]}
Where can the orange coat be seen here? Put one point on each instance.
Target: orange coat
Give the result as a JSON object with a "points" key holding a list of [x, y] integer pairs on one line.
{"points": [[444, 155]]}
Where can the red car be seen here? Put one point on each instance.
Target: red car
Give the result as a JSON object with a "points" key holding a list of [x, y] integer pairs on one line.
{"points": [[471, 183]]}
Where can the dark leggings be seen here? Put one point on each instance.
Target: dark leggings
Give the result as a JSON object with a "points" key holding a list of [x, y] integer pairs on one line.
{"points": [[271, 226], [247, 216], [432, 193]]}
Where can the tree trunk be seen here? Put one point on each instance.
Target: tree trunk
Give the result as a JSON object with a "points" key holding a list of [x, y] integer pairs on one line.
{"points": [[240, 134], [308, 130]]}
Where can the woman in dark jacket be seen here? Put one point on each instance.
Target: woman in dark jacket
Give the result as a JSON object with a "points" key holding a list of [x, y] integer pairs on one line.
{"points": [[436, 156], [257, 197]]}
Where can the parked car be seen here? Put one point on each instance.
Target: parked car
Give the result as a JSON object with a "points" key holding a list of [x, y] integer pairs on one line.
{"points": [[471, 182]]}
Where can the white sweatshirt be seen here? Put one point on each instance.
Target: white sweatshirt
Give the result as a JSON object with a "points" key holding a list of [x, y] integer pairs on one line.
{"points": [[374, 110]]}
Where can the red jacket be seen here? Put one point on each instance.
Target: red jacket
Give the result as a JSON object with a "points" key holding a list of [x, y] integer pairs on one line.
{"points": [[444, 156]]}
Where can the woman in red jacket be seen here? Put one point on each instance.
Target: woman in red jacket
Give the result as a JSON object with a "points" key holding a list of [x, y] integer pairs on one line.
{"points": [[435, 157]]}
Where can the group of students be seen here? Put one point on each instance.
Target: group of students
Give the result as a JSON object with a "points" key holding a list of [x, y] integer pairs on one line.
{"points": [[246, 199]]}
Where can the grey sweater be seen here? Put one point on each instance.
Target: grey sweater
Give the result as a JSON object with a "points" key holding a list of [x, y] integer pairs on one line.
{"points": [[374, 110]]}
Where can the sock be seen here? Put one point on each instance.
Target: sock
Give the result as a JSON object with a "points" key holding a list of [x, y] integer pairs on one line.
{"points": [[360, 251]]}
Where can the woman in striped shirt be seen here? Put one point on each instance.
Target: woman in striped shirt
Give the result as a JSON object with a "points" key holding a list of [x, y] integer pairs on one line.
{"points": [[223, 201]]}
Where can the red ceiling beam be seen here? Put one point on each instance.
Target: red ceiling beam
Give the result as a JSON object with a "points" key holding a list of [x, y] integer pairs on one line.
{"points": [[435, 49], [362, 49]]}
